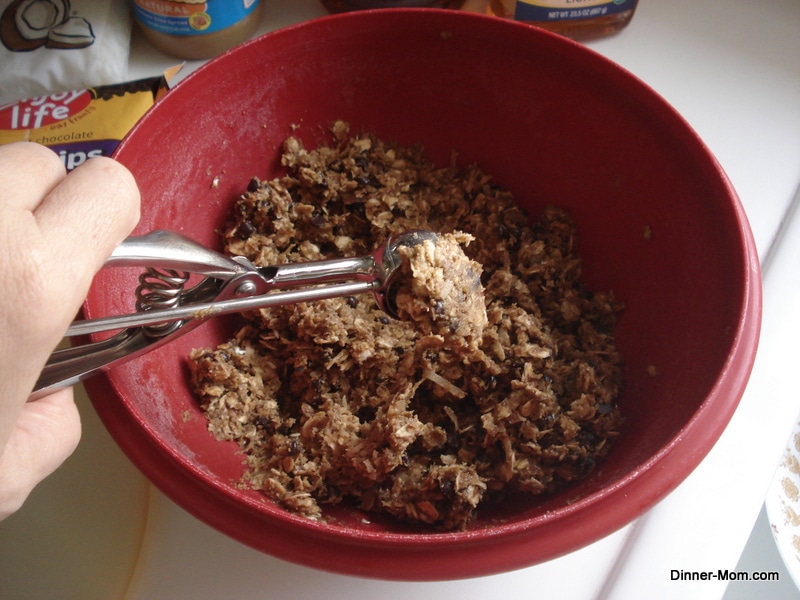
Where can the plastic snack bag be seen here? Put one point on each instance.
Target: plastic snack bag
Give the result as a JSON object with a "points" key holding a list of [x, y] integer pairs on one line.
{"points": [[81, 124], [49, 46]]}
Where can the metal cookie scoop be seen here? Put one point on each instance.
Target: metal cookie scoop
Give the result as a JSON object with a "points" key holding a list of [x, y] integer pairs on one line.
{"points": [[167, 310]]}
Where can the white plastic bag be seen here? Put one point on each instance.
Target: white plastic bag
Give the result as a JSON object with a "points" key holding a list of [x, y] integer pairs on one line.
{"points": [[50, 46]]}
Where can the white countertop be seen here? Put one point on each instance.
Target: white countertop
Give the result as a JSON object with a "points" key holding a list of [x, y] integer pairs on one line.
{"points": [[97, 529]]}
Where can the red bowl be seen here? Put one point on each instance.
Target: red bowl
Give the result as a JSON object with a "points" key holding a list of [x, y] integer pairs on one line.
{"points": [[550, 120]]}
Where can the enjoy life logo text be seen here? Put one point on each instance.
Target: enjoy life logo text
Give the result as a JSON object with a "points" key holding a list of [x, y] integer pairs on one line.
{"points": [[43, 110]]}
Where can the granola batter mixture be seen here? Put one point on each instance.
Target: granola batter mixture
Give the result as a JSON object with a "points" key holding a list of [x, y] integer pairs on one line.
{"points": [[508, 389], [442, 292]]}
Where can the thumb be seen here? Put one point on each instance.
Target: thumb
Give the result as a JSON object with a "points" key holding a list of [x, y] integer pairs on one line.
{"points": [[46, 433]]}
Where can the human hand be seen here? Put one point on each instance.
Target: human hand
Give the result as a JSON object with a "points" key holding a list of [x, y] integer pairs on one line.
{"points": [[56, 231]]}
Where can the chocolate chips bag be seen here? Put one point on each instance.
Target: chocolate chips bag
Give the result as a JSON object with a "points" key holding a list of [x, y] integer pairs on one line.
{"points": [[81, 124], [49, 46]]}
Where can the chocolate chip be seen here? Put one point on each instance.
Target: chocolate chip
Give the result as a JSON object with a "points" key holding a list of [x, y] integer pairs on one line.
{"points": [[254, 185], [245, 230]]}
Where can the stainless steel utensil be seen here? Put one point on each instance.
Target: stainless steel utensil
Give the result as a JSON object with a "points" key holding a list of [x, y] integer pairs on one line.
{"points": [[166, 309]]}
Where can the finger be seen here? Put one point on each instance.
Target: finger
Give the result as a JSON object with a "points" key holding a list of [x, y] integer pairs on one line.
{"points": [[88, 214], [28, 171], [82, 220], [50, 258], [52, 253], [47, 432]]}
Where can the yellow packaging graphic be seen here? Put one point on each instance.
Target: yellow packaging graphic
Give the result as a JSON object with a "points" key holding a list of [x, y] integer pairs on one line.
{"points": [[80, 124]]}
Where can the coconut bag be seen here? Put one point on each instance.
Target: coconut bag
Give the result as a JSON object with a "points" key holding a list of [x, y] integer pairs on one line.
{"points": [[50, 46]]}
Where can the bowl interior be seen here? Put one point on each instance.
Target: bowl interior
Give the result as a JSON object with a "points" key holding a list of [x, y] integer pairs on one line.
{"points": [[657, 221]]}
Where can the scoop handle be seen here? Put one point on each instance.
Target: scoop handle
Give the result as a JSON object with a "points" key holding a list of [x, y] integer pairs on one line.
{"points": [[171, 250]]}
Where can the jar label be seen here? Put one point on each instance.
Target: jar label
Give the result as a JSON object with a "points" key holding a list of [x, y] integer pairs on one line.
{"points": [[191, 17], [565, 10]]}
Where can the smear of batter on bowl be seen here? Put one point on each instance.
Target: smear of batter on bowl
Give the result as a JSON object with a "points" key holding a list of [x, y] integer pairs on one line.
{"points": [[510, 389]]}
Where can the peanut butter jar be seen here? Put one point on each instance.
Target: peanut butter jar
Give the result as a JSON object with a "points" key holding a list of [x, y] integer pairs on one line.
{"points": [[197, 29], [577, 19]]}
